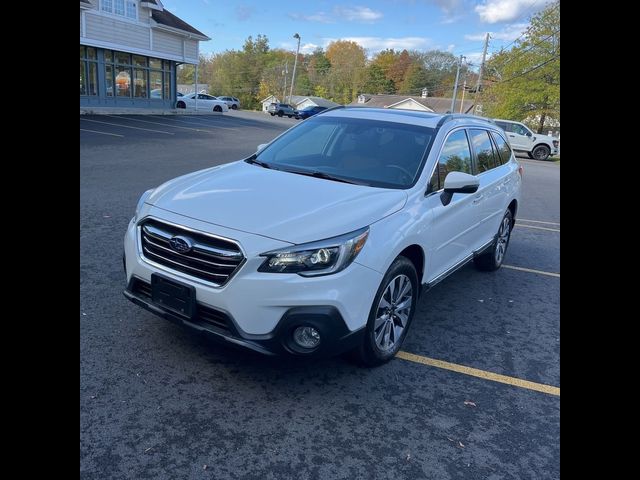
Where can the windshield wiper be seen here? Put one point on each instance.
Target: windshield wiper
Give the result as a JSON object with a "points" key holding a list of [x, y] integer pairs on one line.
{"points": [[253, 160], [325, 176]]}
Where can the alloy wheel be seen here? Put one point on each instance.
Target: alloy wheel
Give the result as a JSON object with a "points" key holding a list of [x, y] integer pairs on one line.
{"points": [[393, 313], [503, 239]]}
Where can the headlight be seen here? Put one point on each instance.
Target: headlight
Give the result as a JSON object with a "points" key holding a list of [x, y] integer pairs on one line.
{"points": [[143, 199], [318, 258]]}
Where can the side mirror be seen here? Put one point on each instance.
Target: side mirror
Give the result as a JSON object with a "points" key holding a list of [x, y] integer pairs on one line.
{"points": [[529, 134], [458, 182], [261, 146]]}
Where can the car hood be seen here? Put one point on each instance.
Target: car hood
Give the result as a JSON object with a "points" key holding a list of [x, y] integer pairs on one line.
{"points": [[280, 205]]}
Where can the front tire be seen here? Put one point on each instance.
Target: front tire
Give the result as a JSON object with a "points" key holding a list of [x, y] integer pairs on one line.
{"points": [[234, 106], [391, 314], [541, 152], [217, 108], [181, 105], [492, 259]]}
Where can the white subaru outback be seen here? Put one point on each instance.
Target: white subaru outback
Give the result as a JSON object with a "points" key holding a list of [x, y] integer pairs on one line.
{"points": [[322, 241]]}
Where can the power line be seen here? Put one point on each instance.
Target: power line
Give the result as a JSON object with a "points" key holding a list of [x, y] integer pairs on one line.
{"points": [[519, 54], [530, 70]]}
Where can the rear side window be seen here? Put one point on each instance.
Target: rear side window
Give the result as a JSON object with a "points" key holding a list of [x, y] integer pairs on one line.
{"points": [[504, 151], [454, 157], [485, 156]]}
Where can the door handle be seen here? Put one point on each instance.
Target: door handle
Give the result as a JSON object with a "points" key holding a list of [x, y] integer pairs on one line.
{"points": [[513, 136], [478, 199]]}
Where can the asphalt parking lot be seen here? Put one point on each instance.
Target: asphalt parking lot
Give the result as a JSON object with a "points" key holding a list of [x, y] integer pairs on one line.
{"points": [[475, 393]]}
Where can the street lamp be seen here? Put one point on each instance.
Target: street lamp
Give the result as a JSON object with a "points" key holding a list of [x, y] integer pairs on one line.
{"points": [[295, 64]]}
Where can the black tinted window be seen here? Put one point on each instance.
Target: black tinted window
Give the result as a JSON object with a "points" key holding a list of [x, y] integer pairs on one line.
{"points": [[454, 157], [486, 159], [504, 151], [376, 153]]}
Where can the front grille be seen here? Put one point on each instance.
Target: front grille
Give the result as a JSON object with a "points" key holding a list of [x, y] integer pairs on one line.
{"points": [[212, 259], [205, 315]]}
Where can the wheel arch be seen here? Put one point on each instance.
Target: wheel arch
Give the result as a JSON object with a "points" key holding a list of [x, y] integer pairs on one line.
{"points": [[415, 254]]}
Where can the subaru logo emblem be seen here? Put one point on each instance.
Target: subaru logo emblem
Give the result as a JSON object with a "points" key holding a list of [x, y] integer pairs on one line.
{"points": [[181, 244]]}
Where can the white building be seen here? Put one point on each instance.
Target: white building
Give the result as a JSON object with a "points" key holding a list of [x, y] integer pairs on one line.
{"points": [[129, 50]]}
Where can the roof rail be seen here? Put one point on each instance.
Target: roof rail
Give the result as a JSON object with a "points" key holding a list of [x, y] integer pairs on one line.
{"points": [[329, 109], [453, 116]]}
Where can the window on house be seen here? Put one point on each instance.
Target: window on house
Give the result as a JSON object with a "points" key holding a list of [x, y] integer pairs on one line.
{"points": [[124, 8]]}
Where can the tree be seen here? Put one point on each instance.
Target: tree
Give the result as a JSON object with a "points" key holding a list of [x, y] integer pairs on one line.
{"points": [[524, 82], [346, 76], [376, 81]]}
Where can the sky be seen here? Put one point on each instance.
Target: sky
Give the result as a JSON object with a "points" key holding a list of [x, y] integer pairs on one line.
{"points": [[457, 26]]}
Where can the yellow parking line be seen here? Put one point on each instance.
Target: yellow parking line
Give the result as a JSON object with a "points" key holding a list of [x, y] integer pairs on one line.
{"points": [[474, 372], [530, 270], [537, 228], [101, 133], [538, 221]]}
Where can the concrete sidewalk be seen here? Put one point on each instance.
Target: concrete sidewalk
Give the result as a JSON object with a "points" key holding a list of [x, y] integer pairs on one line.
{"points": [[142, 111]]}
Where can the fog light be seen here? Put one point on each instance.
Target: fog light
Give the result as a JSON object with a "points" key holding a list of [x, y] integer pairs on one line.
{"points": [[306, 337]]}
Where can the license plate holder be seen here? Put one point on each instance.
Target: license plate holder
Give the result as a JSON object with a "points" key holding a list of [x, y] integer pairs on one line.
{"points": [[174, 296]]}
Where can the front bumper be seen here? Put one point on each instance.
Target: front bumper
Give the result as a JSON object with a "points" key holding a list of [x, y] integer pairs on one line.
{"points": [[221, 326], [262, 306]]}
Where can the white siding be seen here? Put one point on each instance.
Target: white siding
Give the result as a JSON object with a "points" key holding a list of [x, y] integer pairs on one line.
{"points": [[143, 13], [112, 30], [166, 43], [191, 48], [411, 105], [81, 31]]}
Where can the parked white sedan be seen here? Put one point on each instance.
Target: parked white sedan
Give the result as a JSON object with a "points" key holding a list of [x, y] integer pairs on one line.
{"points": [[205, 103]]}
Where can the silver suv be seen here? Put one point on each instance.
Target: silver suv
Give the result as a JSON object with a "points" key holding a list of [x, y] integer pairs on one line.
{"points": [[537, 146], [232, 102], [281, 109]]}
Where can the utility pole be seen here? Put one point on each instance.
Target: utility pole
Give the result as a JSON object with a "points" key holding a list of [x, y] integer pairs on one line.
{"points": [[285, 72], [455, 87], [295, 64], [484, 56], [464, 88], [195, 89]]}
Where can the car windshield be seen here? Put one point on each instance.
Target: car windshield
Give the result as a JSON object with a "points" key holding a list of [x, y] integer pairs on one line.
{"points": [[369, 152]]}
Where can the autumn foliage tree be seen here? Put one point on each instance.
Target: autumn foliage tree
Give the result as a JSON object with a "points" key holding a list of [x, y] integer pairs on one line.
{"points": [[524, 81]]}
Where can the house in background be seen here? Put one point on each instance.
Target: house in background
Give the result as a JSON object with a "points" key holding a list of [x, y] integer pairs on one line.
{"points": [[268, 101], [409, 102], [129, 51], [300, 101]]}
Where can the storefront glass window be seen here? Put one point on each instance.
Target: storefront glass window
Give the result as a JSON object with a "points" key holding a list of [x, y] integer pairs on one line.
{"points": [[83, 79], [140, 83], [123, 82], [155, 84], [108, 76]]}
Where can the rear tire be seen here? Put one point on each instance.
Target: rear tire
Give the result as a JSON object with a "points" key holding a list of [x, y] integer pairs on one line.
{"points": [[234, 106], [272, 114], [529, 154], [492, 259], [390, 316], [217, 108], [181, 105], [280, 113]]}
